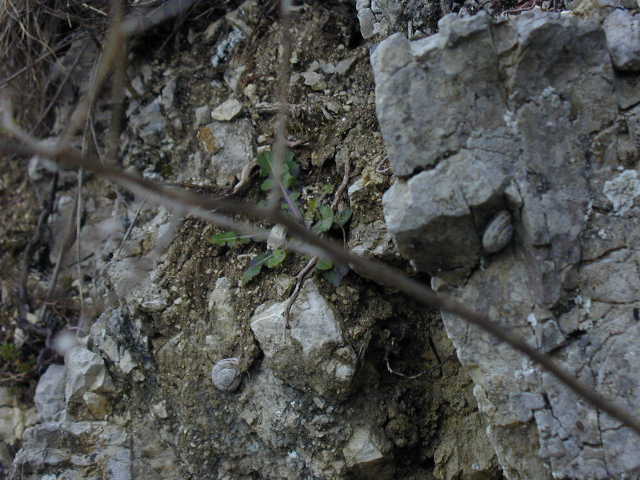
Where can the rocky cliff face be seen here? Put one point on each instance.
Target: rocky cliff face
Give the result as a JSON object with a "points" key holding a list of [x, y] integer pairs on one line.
{"points": [[533, 116], [525, 126]]}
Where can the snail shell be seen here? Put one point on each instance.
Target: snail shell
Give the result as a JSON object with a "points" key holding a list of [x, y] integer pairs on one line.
{"points": [[226, 374], [498, 233]]}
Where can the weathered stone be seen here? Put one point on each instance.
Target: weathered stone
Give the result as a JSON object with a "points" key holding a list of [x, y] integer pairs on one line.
{"points": [[512, 108], [312, 351], [226, 328], [50, 394], [85, 372], [443, 114], [120, 340], [149, 123], [623, 40], [622, 191], [366, 452], [98, 405], [69, 449], [202, 115], [436, 216], [228, 148], [227, 110]]}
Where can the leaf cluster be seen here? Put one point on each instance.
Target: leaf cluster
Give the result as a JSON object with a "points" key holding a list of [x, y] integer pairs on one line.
{"points": [[317, 213]]}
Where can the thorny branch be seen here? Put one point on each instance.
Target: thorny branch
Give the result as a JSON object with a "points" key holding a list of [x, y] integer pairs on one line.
{"points": [[306, 242]]}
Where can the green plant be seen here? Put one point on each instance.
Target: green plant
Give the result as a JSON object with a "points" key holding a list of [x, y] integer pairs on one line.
{"points": [[270, 259], [317, 213], [230, 239]]}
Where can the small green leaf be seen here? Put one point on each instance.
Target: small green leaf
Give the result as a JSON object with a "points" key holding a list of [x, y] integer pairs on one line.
{"points": [[326, 220], [326, 189], [222, 238], [267, 185], [294, 196], [230, 239], [288, 180], [324, 264], [255, 267], [291, 165], [336, 274], [276, 258], [343, 217], [264, 161]]}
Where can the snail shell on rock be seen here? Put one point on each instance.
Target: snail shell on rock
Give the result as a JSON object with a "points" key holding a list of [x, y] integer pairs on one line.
{"points": [[226, 374], [498, 233]]}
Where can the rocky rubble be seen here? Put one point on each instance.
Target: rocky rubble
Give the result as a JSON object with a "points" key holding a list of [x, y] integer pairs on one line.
{"points": [[535, 115]]}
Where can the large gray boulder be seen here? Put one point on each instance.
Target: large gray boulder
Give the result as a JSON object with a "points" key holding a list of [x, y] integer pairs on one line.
{"points": [[521, 115]]}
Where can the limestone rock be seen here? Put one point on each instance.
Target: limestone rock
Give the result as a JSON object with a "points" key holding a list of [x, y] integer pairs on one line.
{"points": [[313, 350], [226, 328], [498, 116], [86, 372], [623, 39], [50, 394], [227, 110], [66, 450], [365, 453], [226, 148], [120, 340]]}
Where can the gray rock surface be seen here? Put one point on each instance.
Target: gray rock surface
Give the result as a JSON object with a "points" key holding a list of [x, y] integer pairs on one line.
{"points": [[365, 453], [120, 341], [50, 394], [312, 352], [519, 114], [516, 114], [227, 147], [623, 39], [85, 372], [227, 110], [53, 447]]}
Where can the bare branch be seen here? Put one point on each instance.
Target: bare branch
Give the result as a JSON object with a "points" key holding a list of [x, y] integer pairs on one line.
{"points": [[279, 148], [309, 243]]}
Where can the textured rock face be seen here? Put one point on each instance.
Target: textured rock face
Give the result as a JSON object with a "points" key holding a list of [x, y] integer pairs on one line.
{"points": [[623, 40], [519, 116], [523, 115], [313, 350]]}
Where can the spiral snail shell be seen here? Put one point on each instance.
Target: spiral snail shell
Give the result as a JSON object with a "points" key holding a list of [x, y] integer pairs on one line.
{"points": [[226, 374], [498, 233]]}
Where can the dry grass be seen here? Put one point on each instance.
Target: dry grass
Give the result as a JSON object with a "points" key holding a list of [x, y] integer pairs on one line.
{"points": [[33, 34]]}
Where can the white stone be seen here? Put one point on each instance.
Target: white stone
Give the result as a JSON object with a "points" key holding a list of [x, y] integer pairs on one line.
{"points": [[85, 372], [227, 110], [50, 393]]}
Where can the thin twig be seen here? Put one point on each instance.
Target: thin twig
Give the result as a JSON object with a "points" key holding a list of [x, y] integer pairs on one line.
{"points": [[343, 186], [59, 90], [127, 233], [35, 62], [117, 87], [78, 242], [66, 244], [404, 375], [308, 242], [300, 278], [279, 148]]}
